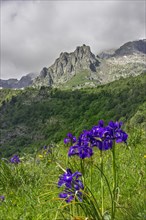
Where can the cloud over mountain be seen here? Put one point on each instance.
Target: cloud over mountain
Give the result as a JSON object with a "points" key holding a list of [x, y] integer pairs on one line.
{"points": [[33, 33]]}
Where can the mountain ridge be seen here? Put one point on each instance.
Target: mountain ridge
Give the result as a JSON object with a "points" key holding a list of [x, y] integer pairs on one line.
{"points": [[82, 68], [95, 70], [129, 48], [24, 81]]}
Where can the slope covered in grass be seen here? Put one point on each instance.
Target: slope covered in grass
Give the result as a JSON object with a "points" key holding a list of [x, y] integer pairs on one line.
{"points": [[31, 192]]}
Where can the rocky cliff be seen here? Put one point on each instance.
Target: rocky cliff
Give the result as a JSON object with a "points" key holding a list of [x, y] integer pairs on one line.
{"points": [[67, 66], [133, 47], [82, 68], [128, 60], [129, 48]]}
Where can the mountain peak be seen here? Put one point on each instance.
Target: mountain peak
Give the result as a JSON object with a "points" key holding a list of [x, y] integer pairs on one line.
{"points": [[84, 48], [131, 47], [68, 65]]}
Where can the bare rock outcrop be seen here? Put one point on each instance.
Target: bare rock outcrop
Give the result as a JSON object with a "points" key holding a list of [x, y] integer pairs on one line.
{"points": [[67, 65]]}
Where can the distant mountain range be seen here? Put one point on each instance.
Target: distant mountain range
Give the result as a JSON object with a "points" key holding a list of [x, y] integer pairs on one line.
{"points": [[25, 81], [82, 68]]}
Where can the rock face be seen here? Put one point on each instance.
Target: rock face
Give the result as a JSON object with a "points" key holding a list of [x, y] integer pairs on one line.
{"points": [[128, 60], [106, 54], [25, 81], [82, 68], [67, 66], [132, 47], [129, 48]]}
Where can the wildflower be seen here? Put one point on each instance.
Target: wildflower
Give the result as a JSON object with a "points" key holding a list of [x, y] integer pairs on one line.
{"points": [[49, 151], [99, 136], [15, 159], [82, 146], [72, 185], [40, 156], [104, 136], [104, 145], [82, 151], [2, 198], [68, 177], [69, 195], [116, 132], [70, 139]]}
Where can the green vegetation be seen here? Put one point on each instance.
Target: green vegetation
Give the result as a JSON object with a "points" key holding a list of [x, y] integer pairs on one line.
{"points": [[7, 94], [32, 118], [30, 187], [78, 80]]}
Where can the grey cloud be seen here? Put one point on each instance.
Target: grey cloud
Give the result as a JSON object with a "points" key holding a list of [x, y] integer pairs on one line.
{"points": [[34, 33]]}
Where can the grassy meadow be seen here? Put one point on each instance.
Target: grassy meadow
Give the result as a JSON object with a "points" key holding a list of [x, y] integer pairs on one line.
{"points": [[31, 192]]}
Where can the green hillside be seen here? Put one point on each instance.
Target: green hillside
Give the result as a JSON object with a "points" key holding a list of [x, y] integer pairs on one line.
{"points": [[32, 117]]}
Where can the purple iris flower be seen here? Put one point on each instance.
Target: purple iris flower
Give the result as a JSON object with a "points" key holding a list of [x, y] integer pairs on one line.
{"points": [[121, 136], [104, 145], [68, 178], [85, 136], [70, 139], [101, 123], [2, 198], [67, 195], [82, 148], [72, 184], [45, 147], [15, 159], [100, 136], [116, 132], [115, 125], [103, 137], [82, 151], [71, 195]]}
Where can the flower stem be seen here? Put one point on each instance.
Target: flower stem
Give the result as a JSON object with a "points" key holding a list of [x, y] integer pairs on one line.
{"points": [[91, 173], [101, 182], [82, 170], [114, 181]]}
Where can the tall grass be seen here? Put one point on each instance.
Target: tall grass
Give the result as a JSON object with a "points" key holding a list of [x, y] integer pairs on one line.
{"points": [[31, 192]]}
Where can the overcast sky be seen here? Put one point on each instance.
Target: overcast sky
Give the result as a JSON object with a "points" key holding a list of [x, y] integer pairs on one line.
{"points": [[34, 33]]}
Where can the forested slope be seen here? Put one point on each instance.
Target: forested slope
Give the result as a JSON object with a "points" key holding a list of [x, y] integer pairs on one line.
{"points": [[32, 117]]}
